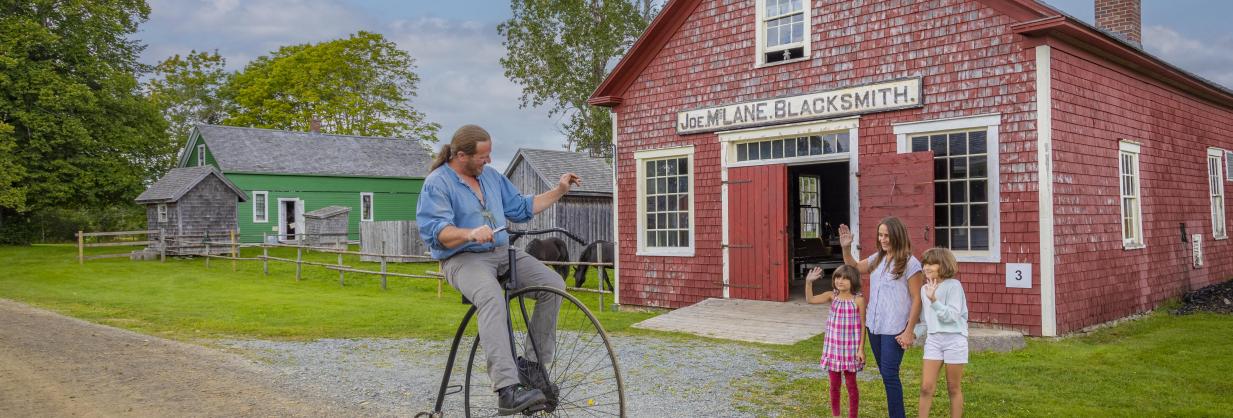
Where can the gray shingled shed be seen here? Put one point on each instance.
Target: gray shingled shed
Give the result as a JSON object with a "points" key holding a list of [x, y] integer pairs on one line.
{"points": [[326, 226], [192, 201], [586, 211]]}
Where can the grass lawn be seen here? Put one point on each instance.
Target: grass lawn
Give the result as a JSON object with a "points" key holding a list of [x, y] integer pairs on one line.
{"points": [[183, 299], [1160, 365]]}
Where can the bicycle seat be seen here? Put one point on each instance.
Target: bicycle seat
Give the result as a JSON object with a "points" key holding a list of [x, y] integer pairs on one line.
{"points": [[501, 278]]}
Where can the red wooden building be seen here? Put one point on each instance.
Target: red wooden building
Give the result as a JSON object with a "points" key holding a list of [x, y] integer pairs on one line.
{"points": [[1079, 178]]}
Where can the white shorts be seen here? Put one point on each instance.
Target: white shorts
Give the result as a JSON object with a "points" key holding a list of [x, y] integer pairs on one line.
{"points": [[950, 347]]}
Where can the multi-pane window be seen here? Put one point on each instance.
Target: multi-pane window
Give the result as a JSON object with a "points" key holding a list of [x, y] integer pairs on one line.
{"points": [[1228, 162], [809, 206], [260, 206], [793, 147], [365, 206], [666, 199], [1132, 215], [785, 26], [961, 187], [1215, 182], [162, 212], [201, 157]]}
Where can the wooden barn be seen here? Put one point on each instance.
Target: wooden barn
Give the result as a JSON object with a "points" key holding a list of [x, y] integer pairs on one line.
{"points": [[286, 174], [1079, 178], [192, 201], [586, 211]]}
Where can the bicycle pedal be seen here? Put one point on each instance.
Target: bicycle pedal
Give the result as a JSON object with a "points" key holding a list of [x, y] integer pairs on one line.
{"points": [[536, 408]]}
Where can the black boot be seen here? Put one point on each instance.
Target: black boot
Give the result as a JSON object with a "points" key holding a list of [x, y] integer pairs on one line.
{"points": [[531, 374], [513, 399]]}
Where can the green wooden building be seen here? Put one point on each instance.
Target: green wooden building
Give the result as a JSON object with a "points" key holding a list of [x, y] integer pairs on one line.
{"points": [[285, 174]]}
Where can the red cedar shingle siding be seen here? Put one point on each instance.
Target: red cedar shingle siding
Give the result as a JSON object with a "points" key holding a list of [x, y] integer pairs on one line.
{"points": [[1095, 106], [970, 62]]}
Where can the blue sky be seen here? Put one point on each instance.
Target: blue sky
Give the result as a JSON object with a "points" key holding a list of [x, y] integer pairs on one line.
{"points": [[457, 48]]}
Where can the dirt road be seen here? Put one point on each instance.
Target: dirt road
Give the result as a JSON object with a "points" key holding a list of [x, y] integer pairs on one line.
{"points": [[51, 365]]}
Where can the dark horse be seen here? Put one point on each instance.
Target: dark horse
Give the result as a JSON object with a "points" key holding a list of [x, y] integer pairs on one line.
{"points": [[591, 255], [550, 249]]}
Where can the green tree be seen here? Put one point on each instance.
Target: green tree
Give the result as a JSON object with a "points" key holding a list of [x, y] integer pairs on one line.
{"points": [[186, 90], [78, 130], [559, 51], [360, 85]]}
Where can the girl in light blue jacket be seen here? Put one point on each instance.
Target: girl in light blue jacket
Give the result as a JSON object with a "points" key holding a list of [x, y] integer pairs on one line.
{"points": [[944, 317]]}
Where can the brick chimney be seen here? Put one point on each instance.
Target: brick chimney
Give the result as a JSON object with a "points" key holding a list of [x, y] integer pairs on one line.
{"points": [[314, 126], [1122, 18]]}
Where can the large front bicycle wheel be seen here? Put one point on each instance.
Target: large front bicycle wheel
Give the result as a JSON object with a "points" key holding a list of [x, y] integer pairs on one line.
{"points": [[584, 367]]}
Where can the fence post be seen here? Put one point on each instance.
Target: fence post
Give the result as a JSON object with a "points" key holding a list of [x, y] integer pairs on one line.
{"points": [[162, 239], [298, 258], [81, 247], [207, 250], [383, 265], [599, 255], [265, 254], [340, 272], [235, 251]]}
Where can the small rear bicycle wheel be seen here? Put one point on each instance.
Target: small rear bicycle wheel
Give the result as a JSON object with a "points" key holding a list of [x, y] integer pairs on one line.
{"points": [[584, 367]]}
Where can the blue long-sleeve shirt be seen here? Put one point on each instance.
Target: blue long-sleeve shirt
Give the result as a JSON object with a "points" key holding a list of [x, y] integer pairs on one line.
{"points": [[446, 200]]}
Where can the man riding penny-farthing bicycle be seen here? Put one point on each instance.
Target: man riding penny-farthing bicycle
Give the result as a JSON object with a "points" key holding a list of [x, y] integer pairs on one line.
{"points": [[462, 213]]}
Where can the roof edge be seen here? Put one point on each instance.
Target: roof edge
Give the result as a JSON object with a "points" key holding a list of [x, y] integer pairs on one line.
{"points": [[653, 39], [1071, 31]]}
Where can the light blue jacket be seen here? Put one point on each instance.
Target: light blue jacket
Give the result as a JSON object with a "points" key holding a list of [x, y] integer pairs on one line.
{"points": [[948, 314]]}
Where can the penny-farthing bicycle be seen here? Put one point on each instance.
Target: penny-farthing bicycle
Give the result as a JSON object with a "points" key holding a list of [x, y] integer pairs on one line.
{"points": [[583, 369]]}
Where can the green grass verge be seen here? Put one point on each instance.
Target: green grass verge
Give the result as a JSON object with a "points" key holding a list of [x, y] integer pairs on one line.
{"points": [[1159, 365], [183, 299]]}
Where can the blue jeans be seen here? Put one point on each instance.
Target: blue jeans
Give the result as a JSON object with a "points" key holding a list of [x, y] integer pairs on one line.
{"points": [[888, 354]]}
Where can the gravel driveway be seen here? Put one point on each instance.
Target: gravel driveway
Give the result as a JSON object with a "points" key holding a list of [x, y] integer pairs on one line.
{"points": [[664, 377]]}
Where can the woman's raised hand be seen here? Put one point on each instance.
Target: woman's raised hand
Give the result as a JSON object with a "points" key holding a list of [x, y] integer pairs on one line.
{"points": [[845, 235]]}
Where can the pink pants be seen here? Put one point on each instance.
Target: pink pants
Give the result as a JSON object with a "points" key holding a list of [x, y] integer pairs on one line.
{"points": [[854, 395]]}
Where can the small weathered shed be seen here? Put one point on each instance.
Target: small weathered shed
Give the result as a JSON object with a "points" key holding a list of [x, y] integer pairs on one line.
{"points": [[191, 202], [327, 226], [585, 212]]}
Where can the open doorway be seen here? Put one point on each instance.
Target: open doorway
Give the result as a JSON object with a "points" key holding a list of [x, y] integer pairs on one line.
{"points": [[819, 201], [290, 218]]}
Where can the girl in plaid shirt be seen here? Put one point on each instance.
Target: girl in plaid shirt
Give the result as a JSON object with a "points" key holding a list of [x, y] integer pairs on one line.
{"points": [[843, 349]]}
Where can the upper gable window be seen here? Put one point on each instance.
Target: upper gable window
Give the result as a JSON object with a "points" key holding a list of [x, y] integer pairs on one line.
{"points": [[783, 31]]}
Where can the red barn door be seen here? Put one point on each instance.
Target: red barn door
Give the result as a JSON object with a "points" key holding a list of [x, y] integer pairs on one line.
{"points": [[899, 185], [758, 232]]}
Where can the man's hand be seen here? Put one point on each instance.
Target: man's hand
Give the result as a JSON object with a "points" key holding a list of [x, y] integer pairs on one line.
{"points": [[568, 180], [481, 235]]}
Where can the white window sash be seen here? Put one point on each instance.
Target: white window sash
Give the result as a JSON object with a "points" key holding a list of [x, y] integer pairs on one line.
{"points": [[367, 208], [261, 214], [201, 157], [760, 34], [162, 212], [990, 123], [1215, 181], [641, 157], [1132, 238]]}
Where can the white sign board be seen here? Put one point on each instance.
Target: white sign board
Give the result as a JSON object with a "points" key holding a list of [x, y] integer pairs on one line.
{"points": [[881, 97], [1019, 275], [1196, 242]]}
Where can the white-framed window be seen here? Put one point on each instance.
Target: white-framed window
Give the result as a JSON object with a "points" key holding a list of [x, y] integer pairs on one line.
{"points": [[810, 209], [790, 144], [366, 206], [666, 202], [162, 212], [965, 180], [1132, 205], [201, 160], [783, 31], [261, 207], [1228, 162], [1215, 182]]}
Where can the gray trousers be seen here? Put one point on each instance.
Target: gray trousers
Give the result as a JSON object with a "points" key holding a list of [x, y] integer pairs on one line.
{"points": [[475, 276]]}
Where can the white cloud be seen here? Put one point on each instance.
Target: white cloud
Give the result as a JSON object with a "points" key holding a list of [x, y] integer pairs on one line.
{"points": [[461, 79], [1210, 59]]}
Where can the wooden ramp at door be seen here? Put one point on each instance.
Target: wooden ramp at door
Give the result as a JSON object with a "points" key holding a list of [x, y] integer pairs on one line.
{"points": [[755, 321]]}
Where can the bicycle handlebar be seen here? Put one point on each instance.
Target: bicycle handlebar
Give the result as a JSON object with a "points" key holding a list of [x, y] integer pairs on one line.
{"points": [[515, 234]]}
